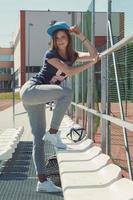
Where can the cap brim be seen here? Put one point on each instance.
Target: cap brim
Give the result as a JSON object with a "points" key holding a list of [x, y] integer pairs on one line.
{"points": [[55, 27]]}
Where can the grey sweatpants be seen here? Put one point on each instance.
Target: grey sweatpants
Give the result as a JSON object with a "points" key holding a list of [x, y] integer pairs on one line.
{"points": [[34, 98]]}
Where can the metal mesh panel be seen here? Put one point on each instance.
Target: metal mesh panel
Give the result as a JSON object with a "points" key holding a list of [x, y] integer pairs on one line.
{"points": [[97, 87], [124, 62]]}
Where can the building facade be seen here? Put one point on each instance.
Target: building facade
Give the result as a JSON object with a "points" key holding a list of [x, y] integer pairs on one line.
{"points": [[6, 68], [31, 39]]}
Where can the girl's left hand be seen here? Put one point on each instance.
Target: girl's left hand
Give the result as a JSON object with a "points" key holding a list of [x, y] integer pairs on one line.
{"points": [[74, 29], [96, 58]]}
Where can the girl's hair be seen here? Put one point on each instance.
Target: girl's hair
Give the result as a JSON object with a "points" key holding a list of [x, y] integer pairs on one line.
{"points": [[71, 54]]}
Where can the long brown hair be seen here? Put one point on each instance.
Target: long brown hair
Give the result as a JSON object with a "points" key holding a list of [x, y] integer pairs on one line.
{"points": [[71, 53]]}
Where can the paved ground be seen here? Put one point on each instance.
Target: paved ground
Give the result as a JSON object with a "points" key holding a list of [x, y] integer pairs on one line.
{"points": [[4, 104], [18, 179]]}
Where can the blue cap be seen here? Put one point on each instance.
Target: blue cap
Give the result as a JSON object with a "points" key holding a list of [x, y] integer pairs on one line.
{"points": [[57, 26]]}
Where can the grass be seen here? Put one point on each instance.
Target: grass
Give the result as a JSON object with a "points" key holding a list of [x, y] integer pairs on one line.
{"points": [[9, 95]]}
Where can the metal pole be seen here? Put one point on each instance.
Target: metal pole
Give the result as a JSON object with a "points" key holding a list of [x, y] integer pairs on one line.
{"points": [[109, 9], [104, 123], [28, 51], [28, 70], [13, 97], [82, 74], [72, 110], [108, 132], [92, 70], [90, 92], [77, 83], [126, 81]]}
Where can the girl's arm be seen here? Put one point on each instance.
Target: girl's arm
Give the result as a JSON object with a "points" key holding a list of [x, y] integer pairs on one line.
{"points": [[91, 56], [70, 70], [92, 52]]}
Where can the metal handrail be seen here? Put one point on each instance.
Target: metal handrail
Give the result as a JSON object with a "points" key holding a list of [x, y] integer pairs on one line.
{"points": [[115, 120], [119, 122], [117, 46]]}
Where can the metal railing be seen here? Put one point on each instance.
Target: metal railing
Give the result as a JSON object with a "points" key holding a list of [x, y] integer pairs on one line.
{"points": [[105, 117], [120, 106]]}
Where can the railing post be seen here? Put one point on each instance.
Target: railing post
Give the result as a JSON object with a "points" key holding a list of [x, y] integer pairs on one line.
{"points": [[89, 105], [104, 105], [13, 97], [90, 96]]}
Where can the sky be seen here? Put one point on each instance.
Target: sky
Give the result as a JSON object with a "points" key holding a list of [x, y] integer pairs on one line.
{"points": [[9, 12]]}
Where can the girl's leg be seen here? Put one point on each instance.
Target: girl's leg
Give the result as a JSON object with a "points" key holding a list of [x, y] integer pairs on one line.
{"points": [[37, 121], [41, 94], [34, 97], [61, 106], [36, 115]]}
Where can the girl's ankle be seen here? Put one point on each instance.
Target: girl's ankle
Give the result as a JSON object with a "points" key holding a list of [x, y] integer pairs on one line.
{"points": [[53, 131], [42, 178]]}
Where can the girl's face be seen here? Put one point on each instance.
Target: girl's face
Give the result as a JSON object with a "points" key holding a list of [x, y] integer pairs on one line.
{"points": [[61, 40]]}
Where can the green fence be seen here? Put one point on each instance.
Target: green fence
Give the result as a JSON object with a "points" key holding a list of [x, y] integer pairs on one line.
{"points": [[87, 86]]}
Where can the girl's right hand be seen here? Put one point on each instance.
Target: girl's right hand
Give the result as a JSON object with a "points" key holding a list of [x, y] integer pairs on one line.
{"points": [[95, 59], [74, 29]]}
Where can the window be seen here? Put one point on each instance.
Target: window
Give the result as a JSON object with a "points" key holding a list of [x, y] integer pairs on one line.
{"points": [[5, 85], [7, 57], [33, 69], [5, 70], [36, 69]]}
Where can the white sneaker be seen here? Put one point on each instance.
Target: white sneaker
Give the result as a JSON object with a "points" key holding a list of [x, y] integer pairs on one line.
{"points": [[54, 139], [47, 186]]}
